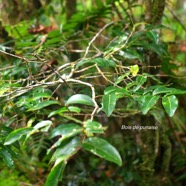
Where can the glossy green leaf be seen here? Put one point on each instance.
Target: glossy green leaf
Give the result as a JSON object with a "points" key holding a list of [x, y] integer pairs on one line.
{"points": [[65, 109], [130, 85], [109, 103], [153, 35], [55, 174], [134, 70], [140, 80], [43, 104], [65, 151], [17, 134], [130, 54], [66, 130], [43, 125], [30, 121], [168, 91], [103, 149], [150, 89], [120, 78], [93, 127], [119, 92], [157, 49], [101, 62], [80, 99], [158, 114], [37, 96], [161, 89], [135, 37], [122, 92], [175, 91], [104, 62], [170, 104], [152, 77], [109, 90], [148, 101], [7, 157]]}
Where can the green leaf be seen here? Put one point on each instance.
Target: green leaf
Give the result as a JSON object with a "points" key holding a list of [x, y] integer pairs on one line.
{"points": [[140, 80], [161, 89], [129, 85], [55, 174], [170, 104], [7, 158], [150, 89], [65, 151], [153, 35], [109, 103], [66, 130], [16, 135], [30, 121], [43, 125], [37, 96], [43, 104], [101, 62], [158, 114], [80, 99], [103, 149], [168, 91], [104, 62], [109, 90], [134, 70], [65, 109], [135, 37], [157, 49], [174, 91], [152, 77], [120, 78], [119, 92], [93, 127], [148, 101], [130, 54]]}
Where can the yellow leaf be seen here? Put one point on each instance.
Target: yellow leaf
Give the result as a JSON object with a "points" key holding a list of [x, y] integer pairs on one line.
{"points": [[134, 70]]}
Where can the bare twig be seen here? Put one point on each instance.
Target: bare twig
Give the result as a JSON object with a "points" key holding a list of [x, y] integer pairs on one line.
{"points": [[94, 38], [176, 17]]}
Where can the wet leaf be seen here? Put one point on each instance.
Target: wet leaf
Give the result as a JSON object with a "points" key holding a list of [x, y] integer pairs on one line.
{"points": [[148, 101], [43, 104], [103, 149], [109, 103], [65, 151], [80, 99], [55, 174], [17, 134], [170, 104]]}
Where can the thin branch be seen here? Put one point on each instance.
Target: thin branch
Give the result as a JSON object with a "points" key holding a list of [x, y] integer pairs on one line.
{"points": [[19, 57], [94, 38], [93, 94], [176, 17]]}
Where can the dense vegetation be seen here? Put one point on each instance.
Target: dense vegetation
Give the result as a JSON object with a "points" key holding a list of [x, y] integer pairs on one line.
{"points": [[97, 77]]}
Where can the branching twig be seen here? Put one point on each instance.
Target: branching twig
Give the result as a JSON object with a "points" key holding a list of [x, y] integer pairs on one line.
{"points": [[93, 94], [94, 38]]}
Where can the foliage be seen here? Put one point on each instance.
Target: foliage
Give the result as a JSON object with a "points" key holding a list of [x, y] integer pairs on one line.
{"points": [[14, 178], [63, 84]]}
